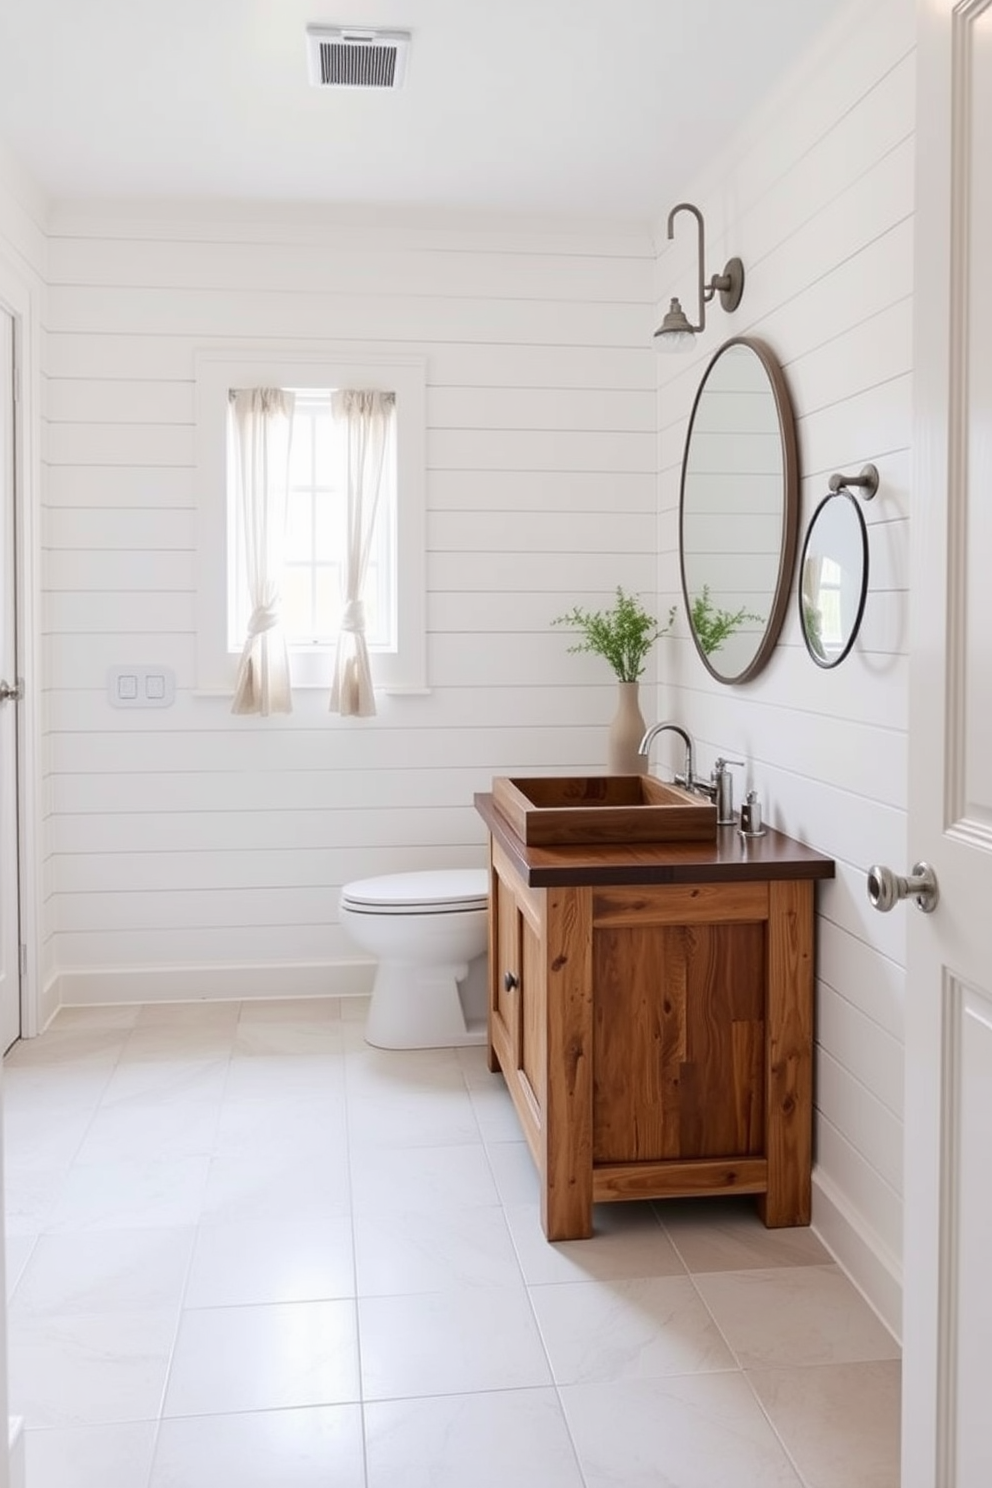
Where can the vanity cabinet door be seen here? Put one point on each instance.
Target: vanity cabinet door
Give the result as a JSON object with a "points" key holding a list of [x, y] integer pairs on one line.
{"points": [[518, 1010]]}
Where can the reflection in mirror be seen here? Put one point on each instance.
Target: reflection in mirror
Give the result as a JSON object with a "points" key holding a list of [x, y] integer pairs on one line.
{"points": [[833, 578], [738, 513]]}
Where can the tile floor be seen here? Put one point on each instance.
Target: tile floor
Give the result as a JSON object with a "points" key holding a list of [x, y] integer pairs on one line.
{"points": [[245, 1250]]}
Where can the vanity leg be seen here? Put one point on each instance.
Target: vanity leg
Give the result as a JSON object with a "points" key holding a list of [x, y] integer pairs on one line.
{"points": [[789, 1058], [566, 1128]]}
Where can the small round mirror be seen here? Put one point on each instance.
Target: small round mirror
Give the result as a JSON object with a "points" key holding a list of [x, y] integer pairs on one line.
{"points": [[833, 578]]}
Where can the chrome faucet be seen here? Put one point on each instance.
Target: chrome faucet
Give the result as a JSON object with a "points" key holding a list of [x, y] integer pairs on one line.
{"points": [[686, 778], [720, 786], [720, 789]]}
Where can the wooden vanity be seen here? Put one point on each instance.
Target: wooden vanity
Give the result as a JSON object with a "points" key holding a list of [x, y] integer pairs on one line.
{"points": [[651, 1009]]}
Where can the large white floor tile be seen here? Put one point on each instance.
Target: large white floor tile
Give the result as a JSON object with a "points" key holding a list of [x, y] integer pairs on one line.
{"points": [[416, 1251], [294, 1128], [266, 1038], [727, 1235], [696, 1431], [37, 1134], [105, 1272], [510, 1439], [108, 1015], [170, 1082], [268, 1077], [156, 1193], [30, 1197], [187, 1017], [515, 1174], [304, 1257], [401, 1072], [290, 1010], [91, 1456], [264, 1358], [273, 1183], [17, 1253], [807, 1315], [440, 1343], [314, 1448], [840, 1422], [433, 1118], [167, 1130], [179, 1041], [495, 1113], [627, 1241], [626, 1330], [386, 1179], [83, 1369]]}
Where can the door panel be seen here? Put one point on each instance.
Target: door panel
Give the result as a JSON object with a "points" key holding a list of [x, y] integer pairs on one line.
{"points": [[10, 981], [948, 1215]]}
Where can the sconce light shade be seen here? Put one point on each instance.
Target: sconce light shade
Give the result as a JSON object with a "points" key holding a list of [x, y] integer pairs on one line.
{"points": [[676, 332]]}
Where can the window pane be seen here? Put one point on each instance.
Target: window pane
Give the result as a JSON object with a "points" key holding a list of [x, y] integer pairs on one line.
{"points": [[301, 451], [297, 603], [328, 600], [329, 446], [299, 530], [330, 524]]}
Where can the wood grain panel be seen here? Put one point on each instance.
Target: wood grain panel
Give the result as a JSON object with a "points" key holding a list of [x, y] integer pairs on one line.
{"points": [[566, 1200], [614, 1181], [679, 1030], [680, 904], [532, 1015], [789, 1072]]}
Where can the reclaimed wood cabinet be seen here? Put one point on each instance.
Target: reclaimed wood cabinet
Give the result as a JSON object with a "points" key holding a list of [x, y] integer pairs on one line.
{"points": [[651, 1009]]}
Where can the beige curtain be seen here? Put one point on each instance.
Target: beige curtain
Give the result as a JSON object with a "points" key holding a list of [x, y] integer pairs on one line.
{"points": [[368, 418], [263, 423]]}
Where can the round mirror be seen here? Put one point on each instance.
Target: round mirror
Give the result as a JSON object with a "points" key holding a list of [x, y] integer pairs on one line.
{"points": [[738, 514], [833, 578]]}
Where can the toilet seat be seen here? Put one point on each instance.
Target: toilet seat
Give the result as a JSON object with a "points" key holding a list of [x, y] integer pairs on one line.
{"points": [[437, 891]]}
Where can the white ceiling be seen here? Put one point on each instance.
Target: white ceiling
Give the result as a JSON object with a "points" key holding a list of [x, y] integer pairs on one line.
{"points": [[585, 107]]}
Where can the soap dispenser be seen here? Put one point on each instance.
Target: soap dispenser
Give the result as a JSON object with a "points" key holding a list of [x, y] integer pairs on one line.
{"points": [[751, 816]]}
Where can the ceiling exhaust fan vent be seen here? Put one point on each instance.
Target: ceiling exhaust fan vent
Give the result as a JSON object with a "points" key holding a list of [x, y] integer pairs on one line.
{"points": [[347, 58]]}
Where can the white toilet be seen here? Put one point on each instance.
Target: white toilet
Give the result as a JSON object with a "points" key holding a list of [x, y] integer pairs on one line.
{"points": [[429, 934]]}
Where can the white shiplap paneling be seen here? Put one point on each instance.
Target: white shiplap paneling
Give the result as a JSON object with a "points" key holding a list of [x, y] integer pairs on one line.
{"points": [[817, 197]]}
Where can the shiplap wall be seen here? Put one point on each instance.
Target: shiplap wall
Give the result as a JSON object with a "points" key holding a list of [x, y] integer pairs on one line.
{"points": [[189, 838], [816, 196]]}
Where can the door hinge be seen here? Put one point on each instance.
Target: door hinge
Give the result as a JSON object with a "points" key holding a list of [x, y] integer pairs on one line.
{"points": [[23, 959]]}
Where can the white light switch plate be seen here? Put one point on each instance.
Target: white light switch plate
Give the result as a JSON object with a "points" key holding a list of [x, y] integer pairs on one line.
{"points": [[141, 687]]}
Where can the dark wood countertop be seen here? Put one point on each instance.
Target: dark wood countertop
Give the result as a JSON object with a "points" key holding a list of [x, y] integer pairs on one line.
{"points": [[730, 859]]}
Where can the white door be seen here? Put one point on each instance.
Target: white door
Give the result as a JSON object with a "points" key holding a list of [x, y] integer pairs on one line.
{"points": [[947, 1386], [10, 938]]}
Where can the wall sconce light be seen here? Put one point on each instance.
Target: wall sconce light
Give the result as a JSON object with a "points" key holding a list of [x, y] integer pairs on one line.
{"points": [[676, 332]]}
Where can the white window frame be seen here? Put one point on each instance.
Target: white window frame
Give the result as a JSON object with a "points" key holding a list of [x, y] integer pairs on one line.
{"points": [[217, 370]]}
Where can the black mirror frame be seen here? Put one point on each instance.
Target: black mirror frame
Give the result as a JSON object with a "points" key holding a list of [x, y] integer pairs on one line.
{"points": [[790, 513], [825, 664]]}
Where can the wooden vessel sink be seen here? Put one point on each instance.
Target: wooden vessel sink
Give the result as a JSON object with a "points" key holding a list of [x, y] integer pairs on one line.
{"points": [[582, 810]]}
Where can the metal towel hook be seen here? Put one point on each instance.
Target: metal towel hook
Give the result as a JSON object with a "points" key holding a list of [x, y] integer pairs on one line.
{"points": [[867, 482]]}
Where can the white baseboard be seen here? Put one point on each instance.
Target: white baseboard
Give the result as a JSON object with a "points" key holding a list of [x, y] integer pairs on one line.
{"points": [[210, 983], [18, 1466], [869, 1264]]}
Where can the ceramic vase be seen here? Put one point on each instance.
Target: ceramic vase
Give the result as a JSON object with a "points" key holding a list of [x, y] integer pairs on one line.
{"points": [[626, 732]]}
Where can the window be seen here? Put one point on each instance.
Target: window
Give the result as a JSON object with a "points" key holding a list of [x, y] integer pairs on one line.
{"points": [[312, 581]]}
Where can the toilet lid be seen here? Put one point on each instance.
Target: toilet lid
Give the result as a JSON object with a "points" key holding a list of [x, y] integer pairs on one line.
{"points": [[441, 889]]}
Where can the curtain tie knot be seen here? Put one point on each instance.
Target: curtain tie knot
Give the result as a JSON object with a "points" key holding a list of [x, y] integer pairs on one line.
{"points": [[353, 618], [263, 617]]}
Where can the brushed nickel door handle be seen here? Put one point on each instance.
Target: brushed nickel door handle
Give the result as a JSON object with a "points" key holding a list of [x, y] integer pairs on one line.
{"points": [[13, 694], [885, 888]]}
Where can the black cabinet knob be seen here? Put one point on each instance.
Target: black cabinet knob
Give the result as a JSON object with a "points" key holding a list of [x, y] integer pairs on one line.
{"points": [[510, 981]]}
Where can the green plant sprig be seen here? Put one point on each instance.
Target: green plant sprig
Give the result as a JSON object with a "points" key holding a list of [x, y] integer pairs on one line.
{"points": [[713, 626], [623, 635]]}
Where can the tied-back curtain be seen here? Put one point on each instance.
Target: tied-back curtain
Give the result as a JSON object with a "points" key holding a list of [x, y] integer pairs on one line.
{"points": [[263, 424], [368, 420]]}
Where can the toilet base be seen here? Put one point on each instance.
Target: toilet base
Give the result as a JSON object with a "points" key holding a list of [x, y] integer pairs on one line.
{"points": [[420, 1007]]}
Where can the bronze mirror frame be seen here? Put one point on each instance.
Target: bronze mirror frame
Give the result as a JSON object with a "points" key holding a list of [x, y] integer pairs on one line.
{"points": [[790, 508]]}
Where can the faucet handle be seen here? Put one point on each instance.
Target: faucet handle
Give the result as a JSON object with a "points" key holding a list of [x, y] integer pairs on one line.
{"points": [[722, 764]]}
